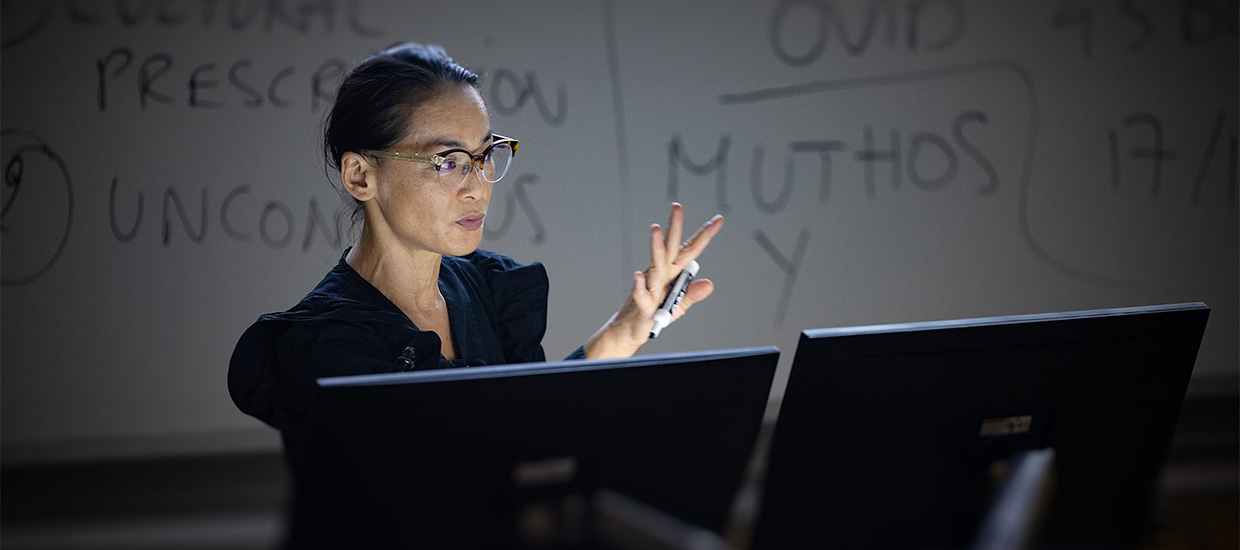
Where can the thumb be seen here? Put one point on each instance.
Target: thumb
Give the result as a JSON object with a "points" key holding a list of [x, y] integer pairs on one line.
{"points": [[697, 291]]}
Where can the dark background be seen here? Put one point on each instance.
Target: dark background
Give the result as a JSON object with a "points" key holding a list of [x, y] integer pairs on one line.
{"points": [[877, 161]]}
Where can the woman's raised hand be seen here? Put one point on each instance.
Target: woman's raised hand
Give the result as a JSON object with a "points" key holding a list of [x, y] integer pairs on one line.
{"points": [[630, 327]]}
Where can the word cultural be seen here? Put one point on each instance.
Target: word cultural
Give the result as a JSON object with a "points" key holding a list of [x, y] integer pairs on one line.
{"points": [[267, 16]]}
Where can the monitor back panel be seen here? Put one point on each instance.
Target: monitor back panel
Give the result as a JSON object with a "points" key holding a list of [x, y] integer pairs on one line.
{"points": [[675, 435], [897, 436]]}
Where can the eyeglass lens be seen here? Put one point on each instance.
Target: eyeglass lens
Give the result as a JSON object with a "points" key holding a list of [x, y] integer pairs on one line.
{"points": [[457, 166]]}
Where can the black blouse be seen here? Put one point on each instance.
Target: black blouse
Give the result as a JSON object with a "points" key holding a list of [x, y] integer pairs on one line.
{"points": [[497, 309]]}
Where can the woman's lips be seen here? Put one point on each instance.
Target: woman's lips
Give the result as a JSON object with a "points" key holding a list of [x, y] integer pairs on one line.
{"points": [[471, 222]]}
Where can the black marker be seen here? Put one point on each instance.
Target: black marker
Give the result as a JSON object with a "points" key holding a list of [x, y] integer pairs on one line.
{"points": [[664, 315]]}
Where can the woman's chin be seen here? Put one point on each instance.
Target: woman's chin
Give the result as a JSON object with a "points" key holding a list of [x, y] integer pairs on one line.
{"points": [[463, 248]]}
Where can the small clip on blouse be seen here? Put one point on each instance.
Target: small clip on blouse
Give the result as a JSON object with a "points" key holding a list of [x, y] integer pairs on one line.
{"points": [[407, 358]]}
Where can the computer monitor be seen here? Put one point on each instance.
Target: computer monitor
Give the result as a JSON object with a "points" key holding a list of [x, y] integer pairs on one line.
{"points": [[515, 455], [893, 436]]}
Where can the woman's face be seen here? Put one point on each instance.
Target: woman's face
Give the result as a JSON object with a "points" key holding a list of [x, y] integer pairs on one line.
{"points": [[423, 212]]}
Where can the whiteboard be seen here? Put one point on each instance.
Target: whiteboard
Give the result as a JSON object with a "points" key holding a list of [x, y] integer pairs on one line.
{"points": [[876, 161]]}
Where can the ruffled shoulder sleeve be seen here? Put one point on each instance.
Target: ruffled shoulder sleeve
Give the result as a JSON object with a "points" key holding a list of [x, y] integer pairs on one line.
{"points": [[519, 294], [273, 368]]}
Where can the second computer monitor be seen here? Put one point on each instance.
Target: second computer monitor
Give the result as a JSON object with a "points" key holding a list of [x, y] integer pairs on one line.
{"points": [[894, 436]]}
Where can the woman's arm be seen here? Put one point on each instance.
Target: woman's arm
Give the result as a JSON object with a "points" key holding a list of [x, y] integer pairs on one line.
{"points": [[629, 327]]}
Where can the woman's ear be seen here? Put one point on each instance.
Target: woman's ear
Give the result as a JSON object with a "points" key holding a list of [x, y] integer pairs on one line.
{"points": [[357, 175]]}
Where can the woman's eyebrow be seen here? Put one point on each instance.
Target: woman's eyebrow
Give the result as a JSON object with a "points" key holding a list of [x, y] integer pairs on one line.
{"points": [[454, 144], [445, 142]]}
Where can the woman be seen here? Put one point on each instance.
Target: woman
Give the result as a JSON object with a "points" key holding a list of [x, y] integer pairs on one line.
{"points": [[413, 143]]}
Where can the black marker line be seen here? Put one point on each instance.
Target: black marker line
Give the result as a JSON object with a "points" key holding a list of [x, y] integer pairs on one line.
{"points": [[42, 147], [126, 236], [39, 22], [518, 190], [622, 145], [832, 85], [14, 170], [790, 267], [1026, 172]]}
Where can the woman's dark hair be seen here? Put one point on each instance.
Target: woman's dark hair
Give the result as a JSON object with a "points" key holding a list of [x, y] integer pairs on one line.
{"points": [[376, 97]]}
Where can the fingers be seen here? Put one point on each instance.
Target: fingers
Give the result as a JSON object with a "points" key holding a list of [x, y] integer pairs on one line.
{"points": [[656, 273], [669, 256], [658, 247], [697, 243], [675, 224], [641, 296], [666, 246]]}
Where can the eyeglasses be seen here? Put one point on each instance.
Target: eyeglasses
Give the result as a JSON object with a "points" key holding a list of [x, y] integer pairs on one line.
{"points": [[454, 165]]}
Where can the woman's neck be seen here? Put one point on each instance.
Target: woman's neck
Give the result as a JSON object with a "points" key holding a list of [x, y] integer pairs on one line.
{"points": [[410, 279]]}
